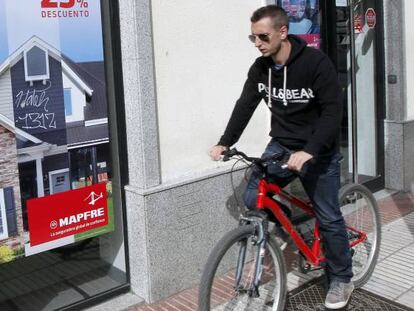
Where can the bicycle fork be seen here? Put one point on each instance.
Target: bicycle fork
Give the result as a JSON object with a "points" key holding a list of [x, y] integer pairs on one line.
{"points": [[260, 240]]}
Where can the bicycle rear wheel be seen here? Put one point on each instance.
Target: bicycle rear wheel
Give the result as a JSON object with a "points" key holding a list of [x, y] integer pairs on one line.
{"points": [[218, 283], [360, 212]]}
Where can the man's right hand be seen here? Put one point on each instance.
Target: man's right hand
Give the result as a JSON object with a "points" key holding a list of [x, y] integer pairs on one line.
{"points": [[216, 152]]}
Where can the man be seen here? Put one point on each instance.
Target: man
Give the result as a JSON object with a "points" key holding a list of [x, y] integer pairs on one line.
{"points": [[300, 87]]}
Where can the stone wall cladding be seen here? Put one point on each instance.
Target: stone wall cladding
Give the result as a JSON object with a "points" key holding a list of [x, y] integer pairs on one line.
{"points": [[9, 172]]}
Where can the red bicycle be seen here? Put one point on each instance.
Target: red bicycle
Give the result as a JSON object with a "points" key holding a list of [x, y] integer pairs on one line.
{"points": [[246, 270]]}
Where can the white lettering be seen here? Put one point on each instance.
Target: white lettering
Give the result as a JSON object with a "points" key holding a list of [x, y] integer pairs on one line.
{"points": [[274, 93], [63, 221], [289, 94], [261, 87], [310, 92], [35, 98], [74, 219], [304, 94], [281, 94], [296, 94]]}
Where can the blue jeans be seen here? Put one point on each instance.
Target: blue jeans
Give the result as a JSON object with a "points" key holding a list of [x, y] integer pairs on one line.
{"points": [[321, 181]]}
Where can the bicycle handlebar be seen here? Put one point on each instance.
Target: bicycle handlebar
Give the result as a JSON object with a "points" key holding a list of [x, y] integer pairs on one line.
{"points": [[278, 158]]}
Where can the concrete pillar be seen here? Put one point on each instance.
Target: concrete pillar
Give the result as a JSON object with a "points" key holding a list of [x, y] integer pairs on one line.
{"points": [[398, 130], [142, 132]]}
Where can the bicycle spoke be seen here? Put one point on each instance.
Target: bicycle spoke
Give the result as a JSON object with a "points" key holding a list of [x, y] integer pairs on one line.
{"points": [[225, 296]]}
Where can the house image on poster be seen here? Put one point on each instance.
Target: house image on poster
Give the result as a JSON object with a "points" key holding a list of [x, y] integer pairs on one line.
{"points": [[10, 207], [56, 110]]}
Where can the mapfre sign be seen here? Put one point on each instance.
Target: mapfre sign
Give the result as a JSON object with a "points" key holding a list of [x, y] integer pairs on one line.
{"points": [[67, 213]]}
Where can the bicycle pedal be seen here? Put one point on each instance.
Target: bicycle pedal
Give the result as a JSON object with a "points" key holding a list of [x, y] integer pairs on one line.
{"points": [[304, 268]]}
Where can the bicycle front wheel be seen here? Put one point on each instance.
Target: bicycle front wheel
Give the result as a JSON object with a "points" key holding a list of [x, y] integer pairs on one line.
{"points": [[360, 212], [234, 258]]}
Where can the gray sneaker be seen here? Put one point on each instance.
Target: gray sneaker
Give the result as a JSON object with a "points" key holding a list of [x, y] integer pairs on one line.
{"points": [[338, 294]]}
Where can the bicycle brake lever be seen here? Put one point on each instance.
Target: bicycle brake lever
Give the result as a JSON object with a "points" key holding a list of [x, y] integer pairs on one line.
{"points": [[228, 154]]}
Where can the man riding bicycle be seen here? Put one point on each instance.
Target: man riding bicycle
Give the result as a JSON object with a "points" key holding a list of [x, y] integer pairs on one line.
{"points": [[300, 87]]}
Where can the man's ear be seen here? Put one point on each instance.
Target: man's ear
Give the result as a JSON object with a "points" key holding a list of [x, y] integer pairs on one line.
{"points": [[283, 32]]}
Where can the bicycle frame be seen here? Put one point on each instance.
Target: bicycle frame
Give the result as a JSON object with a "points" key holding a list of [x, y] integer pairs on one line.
{"points": [[313, 253]]}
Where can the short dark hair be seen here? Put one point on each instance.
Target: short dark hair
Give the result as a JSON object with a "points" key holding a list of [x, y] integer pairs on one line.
{"points": [[279, 15]]}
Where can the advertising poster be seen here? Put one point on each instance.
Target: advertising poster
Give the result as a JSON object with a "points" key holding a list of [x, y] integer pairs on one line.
{"points": [[303, 20], [55, 170]]}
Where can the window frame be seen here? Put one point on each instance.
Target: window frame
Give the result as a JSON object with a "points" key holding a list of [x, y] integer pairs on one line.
{"points": [[5, 234], [36, 77], [64, 101]]}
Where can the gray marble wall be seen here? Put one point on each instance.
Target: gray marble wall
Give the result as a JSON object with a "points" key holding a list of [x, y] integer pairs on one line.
{"points": [[399, 147], [399, 151], [172, 230], [394, 45]]}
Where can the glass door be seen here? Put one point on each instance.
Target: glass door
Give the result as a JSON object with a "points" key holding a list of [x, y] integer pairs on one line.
{"points": [[351, 40]]}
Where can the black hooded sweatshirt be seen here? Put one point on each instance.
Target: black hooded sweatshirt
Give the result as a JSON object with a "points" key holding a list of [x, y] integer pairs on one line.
{"points": [[305, 101]]}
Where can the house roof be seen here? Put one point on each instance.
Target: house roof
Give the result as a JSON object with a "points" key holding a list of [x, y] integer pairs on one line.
{"points": [[24, 136], [53, 52], [93, 73], [79, 135]]}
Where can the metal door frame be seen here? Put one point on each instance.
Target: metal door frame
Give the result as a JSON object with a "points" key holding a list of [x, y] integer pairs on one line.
{"points": [[328, 34]]}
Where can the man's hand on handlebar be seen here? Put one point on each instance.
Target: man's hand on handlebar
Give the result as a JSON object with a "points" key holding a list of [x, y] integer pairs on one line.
{"points": [[216, 152], [295, 162], [298, 159]]}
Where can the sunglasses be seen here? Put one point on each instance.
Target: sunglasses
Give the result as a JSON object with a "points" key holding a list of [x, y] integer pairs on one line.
{"points": [[264, 37]]}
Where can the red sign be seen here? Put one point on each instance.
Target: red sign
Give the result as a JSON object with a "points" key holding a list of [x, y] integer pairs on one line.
{"points": [[64, 4], [312, 40], [67, 213], [371, 18]]}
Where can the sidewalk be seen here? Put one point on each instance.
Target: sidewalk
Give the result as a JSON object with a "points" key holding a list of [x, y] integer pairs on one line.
{"points": [[393, 277]]}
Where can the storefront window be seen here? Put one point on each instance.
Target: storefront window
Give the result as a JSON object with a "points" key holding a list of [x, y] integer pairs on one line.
{"points": [[304, 19], [61, 231]]}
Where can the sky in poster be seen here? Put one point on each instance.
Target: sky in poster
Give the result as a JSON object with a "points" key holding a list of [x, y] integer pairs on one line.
{"points": [[78, 38]]}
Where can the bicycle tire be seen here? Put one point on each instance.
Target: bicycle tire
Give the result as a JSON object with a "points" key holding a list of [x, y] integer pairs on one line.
{"points": [[217, 287], [360, 211]]}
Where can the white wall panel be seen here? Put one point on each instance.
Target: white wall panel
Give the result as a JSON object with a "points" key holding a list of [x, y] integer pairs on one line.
{"points": [[202, 56], [6, 96]]}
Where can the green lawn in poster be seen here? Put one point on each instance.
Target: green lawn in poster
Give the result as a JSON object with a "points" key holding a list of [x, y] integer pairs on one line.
{"points": [[105, 229]]}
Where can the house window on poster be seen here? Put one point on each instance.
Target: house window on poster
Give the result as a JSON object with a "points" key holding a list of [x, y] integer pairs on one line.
{"points": [[67, 99], [36, 65], [303, 19], [3, 217]]}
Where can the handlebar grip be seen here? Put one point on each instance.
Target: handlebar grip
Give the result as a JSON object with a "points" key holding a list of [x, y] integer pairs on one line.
{"points": [[227, 154]]}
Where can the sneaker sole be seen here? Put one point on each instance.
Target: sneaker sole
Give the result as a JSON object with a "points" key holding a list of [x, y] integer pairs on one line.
{"points": [[338, 305]]}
